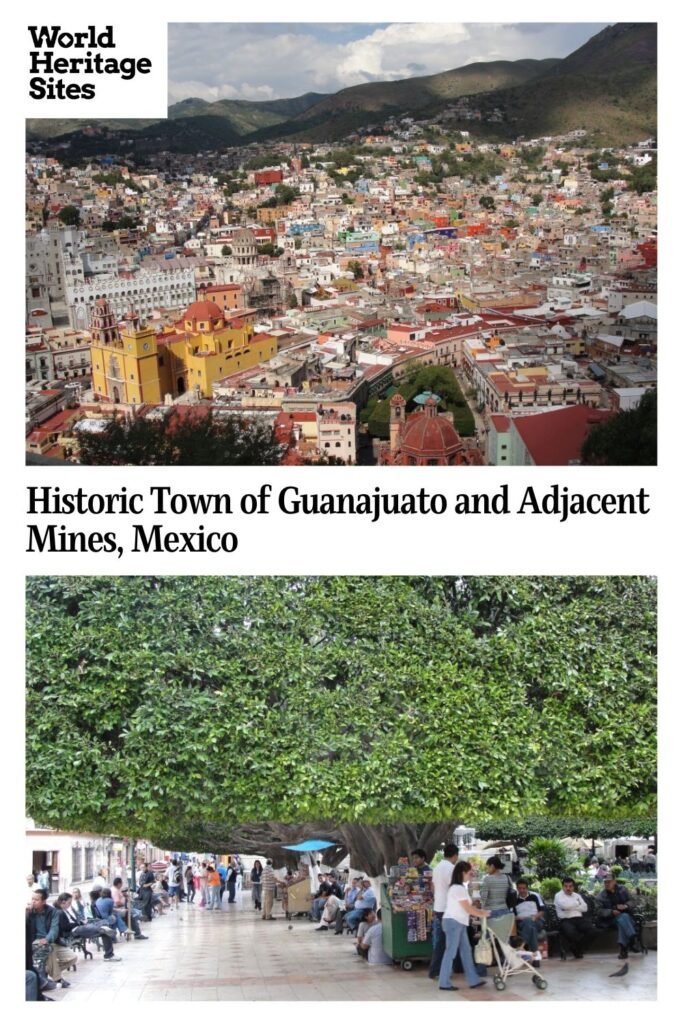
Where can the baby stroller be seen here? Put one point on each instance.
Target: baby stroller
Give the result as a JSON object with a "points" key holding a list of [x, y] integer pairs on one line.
{"points": [[508, 960]]}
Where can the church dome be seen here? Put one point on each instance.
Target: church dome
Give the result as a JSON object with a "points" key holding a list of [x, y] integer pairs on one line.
{"points": [[203, 310], [203, 315], [427, 435]]}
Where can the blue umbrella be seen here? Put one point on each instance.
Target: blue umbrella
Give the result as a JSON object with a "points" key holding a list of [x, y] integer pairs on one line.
{"points": [[309, 845]]}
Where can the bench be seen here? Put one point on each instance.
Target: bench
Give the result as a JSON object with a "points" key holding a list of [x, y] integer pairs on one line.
{"points": [[605, 937]]}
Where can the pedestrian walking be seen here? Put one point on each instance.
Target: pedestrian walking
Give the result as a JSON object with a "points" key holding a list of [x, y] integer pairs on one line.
{"points": [[268, 884], [189, 883], [256, 889], [231, 880], [146, 885], [455, 920], [214, 889], [204, 884]]}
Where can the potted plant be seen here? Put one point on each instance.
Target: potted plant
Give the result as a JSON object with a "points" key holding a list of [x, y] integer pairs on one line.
{"points": [[647, 904]]}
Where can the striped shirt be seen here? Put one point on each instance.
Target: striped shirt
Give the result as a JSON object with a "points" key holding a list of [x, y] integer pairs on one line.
{"points": [[494, 890], [268, 879]]}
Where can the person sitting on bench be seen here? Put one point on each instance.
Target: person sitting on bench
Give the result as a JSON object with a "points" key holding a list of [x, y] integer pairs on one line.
{"points": [[573, 918], [614, 911]]}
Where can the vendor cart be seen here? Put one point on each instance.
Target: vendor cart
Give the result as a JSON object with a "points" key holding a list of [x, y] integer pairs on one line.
{"points": [[298, 898], [395, 935]]}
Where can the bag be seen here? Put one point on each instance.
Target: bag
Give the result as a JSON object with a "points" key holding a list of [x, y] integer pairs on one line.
{"points": [[511, 897], [483, 951]]}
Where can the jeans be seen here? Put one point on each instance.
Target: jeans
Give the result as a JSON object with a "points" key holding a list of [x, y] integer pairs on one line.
{"points": [[31, 987], [626, 929], [317, 907], [457, 941], [528, 930], [352, 919], [256, 894], [214, 897], [438, 944], [94, 931], [231, 890]]}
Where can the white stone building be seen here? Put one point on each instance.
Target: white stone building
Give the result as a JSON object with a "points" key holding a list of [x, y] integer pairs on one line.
{"points": [[141, 292]]}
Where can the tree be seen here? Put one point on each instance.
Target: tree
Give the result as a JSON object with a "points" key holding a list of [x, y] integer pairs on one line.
{"points": [[226, 251], [154, 685], [356, 269], [487, 202], [644, 179], [70, 215], [627, 439], [522, 831], [195, 440]]}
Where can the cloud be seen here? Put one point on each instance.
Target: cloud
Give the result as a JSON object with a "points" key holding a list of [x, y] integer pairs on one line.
{"points": [[267, 61]]}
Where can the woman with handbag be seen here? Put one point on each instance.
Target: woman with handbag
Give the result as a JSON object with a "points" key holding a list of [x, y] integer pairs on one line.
{"points": [[456, 918], [497, 892]]}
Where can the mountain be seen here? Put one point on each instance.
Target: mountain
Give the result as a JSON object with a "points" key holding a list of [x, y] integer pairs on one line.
{"points": [[417, 93], [607, 86], [242, 117]]}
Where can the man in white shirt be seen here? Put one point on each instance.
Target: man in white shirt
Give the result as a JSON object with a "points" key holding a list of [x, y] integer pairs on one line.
{"points": [[442, 876], [574, 921]]}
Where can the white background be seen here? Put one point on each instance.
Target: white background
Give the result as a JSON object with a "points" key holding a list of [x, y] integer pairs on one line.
{"points": [[273, 544], [142, 36]]}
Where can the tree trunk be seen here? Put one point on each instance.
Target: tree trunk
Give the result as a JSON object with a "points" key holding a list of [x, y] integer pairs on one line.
{"points": [[372, 849]]}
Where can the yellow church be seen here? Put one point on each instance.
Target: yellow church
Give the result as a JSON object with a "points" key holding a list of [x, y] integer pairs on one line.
{"points": [[137, 365]]}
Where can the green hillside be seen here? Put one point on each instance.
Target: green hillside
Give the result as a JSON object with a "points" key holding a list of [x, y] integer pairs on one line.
{"points": [[608, 86]]}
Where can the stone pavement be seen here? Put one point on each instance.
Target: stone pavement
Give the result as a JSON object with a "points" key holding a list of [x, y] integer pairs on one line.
{"points": [[198, 955]]}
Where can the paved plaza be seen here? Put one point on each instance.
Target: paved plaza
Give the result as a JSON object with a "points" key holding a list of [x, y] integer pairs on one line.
{"points": [[195, 954]]}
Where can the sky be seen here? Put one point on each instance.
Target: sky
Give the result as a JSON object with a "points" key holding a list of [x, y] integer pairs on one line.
{"points": [[226, 60]]}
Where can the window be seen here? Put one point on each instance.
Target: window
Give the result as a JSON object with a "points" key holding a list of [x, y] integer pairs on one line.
{"points": [[88, 871], [76, 863]]}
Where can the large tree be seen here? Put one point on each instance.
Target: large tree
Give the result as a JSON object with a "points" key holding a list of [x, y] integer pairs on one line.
{"points": [[183, 708], [627, 439], [198, 438]]}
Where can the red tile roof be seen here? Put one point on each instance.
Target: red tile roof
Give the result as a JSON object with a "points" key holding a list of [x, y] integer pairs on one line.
{"points": [[554, 438]]}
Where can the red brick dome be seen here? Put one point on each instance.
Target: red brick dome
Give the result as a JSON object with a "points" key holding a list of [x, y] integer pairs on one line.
{"points": [[427, 435]]}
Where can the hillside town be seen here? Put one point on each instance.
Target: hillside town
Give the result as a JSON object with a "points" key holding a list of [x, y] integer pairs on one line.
{"points": [[409, 296]]}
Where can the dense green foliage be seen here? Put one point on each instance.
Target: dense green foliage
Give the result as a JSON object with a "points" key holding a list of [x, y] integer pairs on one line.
{"points": [[627, 439], [163, 706], [439, 379], [549, 858], [192, 441], [523, 830], [548, 888], [70, 215]]}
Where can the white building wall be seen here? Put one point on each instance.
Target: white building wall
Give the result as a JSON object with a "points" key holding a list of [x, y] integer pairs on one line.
{"points": [[142, 293]]}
